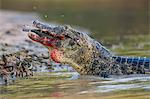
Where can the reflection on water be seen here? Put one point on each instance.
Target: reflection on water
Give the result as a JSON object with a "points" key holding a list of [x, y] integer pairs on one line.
{"points": [[54, 85]]}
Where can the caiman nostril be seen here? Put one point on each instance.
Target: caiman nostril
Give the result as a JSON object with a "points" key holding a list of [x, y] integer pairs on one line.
{"points": [[40, 25]]}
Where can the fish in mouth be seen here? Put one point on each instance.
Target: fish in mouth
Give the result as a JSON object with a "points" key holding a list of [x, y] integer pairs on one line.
{"points": [[86, 55]]}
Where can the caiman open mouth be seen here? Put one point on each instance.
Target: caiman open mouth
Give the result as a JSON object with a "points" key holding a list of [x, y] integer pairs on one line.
{"points": [[49, 36], [45, 35], [41, 37]]}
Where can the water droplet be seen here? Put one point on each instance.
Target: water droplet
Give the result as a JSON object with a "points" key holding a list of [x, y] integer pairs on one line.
{"points": [[34, 7], [62, 15], [45, 16]]}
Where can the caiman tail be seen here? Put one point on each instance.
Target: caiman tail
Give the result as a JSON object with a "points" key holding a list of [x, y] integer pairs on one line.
{"points": [[140, 64]]}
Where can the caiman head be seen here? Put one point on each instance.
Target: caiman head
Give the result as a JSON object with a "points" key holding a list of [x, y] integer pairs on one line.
{"points": [[65, 44]]}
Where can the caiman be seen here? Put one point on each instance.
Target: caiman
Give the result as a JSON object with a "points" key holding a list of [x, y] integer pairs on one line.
{"points": [[86, 55]]}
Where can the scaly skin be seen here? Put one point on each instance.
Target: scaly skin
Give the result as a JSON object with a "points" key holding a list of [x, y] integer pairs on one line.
{"points": [[86, 55]]}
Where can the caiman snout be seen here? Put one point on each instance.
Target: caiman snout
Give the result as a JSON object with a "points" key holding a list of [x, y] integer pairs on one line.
{"points": [[46, 35], [49, 36]]}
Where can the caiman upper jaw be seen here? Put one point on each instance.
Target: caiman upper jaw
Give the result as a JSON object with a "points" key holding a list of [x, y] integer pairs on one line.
{"points": [[57, 32], [46, 35]]}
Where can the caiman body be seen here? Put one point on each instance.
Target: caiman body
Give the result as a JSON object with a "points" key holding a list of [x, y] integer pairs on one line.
{"points": [[86, 55]]}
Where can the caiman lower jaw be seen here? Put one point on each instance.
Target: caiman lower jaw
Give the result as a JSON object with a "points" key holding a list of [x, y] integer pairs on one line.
{"points": [[43, 40]]}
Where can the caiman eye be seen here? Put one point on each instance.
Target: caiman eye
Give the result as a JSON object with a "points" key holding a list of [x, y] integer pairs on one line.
{"points": [[71, 42], [77, 41]]}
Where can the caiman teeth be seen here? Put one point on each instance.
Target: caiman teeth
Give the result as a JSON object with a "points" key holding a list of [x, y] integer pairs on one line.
{"points": [[45, 39], [44, 30], [33, 36]]}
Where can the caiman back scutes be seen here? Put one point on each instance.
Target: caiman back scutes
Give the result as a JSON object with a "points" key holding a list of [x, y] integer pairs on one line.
{"points": [[133, 64]]}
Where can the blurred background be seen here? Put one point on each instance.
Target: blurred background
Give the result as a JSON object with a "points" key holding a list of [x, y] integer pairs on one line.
{"points": [[110, 21]]}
